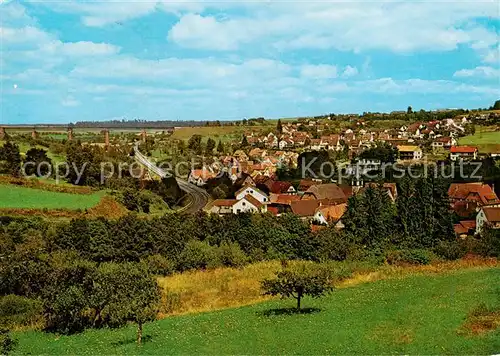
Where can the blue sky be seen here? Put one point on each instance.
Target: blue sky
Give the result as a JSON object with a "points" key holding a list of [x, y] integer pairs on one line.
{"points": [[66, 61]]}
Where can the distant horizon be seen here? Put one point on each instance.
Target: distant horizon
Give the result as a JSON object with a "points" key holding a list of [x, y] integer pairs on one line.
{"points": [[71, 61], [228, 120]]}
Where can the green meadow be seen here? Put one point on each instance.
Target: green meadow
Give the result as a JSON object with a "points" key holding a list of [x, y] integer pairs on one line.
{"points": [[485, 139], [419, 314], [15, 197]]}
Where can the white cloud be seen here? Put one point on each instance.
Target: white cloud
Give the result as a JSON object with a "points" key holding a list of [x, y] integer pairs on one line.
{"points": [[492, 55], [70, 102], [103, 13], [350, 72], [482, 71], [320, 71], [28, 34], [400, 27], [83, 49]]}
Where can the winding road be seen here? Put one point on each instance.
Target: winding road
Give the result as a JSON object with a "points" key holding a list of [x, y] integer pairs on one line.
{"points": [[199, 196]]}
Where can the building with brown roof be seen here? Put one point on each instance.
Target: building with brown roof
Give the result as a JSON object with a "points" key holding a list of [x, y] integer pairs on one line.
{"points": [[465, 228], [330, 191], [467, 198], [463, 153], [488, 216], [329, 214]]}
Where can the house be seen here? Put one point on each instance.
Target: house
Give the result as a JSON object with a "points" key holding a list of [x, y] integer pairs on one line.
{"points": [[331, 142], [414, 129], [221, 206], [459, 153], [465, 228], [200, 177], [240, 155], [443, 142], [330, 191], [315, 144], [488, 216], [305, 184], [305, 209], [409, 152], [467, 198], [257, 153], [329, 214], [252, 191], [248, 204], [279, 187]]}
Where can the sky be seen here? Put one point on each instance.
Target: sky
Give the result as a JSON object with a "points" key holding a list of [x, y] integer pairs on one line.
{"points": [[65, 61]]}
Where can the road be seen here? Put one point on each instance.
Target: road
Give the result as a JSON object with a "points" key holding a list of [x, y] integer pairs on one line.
{"points": [[199, 196]]}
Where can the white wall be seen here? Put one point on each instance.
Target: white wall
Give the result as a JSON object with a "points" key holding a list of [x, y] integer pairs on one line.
{"points": [[254, 193]]}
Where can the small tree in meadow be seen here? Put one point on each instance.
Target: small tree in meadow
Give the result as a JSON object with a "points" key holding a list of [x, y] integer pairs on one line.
{"points": [[299, 281]]}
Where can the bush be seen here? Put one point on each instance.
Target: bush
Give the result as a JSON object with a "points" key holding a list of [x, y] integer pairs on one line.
{"points": [[414, 257], [231, 255], [198, 255], [7, 343], [489, 244], [451, 250], [159, 265], [19, 311]]}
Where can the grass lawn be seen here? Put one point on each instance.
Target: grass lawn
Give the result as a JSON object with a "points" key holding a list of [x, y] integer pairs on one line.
{"points": [[485, 139], [420, 314], [15, 197]]}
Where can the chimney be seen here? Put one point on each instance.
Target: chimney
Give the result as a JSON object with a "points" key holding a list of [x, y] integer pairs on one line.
{"points": [[70, 134], [106, 138], [3, 134], [34, 134]]}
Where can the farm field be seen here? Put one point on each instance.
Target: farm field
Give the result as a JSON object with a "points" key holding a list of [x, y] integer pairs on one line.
{"points": [[486, 139], [15, 197], [417, 314], [223, 133]]}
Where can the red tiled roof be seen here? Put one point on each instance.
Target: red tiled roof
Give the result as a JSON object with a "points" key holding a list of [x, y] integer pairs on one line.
{"points": [[480, 192], [223, 202], [327, 191], [253, 201], [463, 149], [333, 212], [492, 214], [305, 184], [273, 210], [305, 208], [283, 198], [280, 187]]}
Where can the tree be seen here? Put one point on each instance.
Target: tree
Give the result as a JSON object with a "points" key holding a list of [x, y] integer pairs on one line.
{"points": [[410, 110], [194, 143], [39, 163], [279, 127], [209, 149], [299, 281], [10, 159], [220, 147], [496, 106], [382, 151]]}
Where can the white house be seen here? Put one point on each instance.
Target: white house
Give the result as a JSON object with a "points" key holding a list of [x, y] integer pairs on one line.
{"points": [[488, 215], [249, 204], [329, 214], [252, 191]]}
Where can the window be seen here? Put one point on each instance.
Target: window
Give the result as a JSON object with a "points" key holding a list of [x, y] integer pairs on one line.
{"points": [[243, 204]]}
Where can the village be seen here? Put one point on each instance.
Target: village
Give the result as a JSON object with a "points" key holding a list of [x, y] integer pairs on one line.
{"points": [[253, 169]]}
